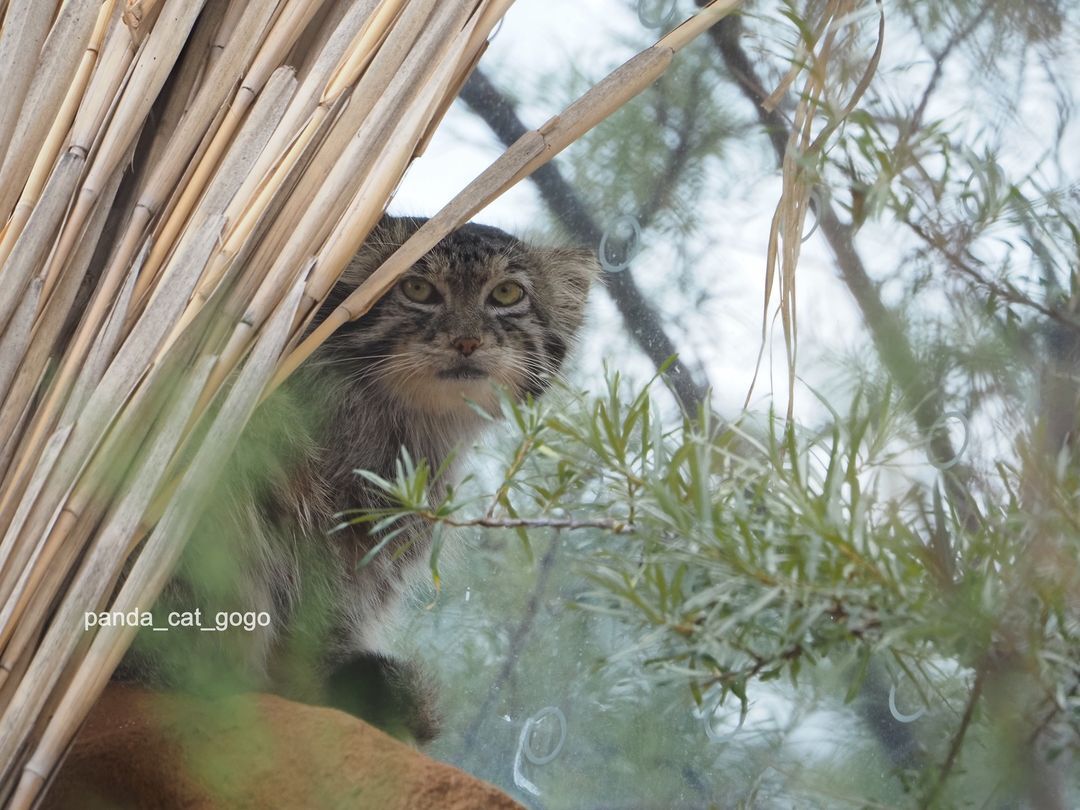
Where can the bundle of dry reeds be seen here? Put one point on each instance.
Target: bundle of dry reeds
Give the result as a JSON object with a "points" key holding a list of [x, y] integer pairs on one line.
{"points": [[181, 183]]}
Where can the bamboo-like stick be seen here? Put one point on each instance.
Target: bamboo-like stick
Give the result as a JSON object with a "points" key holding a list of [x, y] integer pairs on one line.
{"points": [[98, 571], [50, 149], [138, 13], [244, 213], [26, 25], [490, 16], [63, 50], [309, 46], [45, 570], [16, 338], [42, 580], [242, 253], [34, 243], [36, 596], [104, 348], [116, 57], [162, 46], [304, 102], [162, 549], [12, 567], [250, 143], [131, 361], [359, 153], [186, 80], [7, 448], [48, 327], [235, 166], [286, 30], [364, 209], [157, 56], [405, 57], [113, 61], [307, 98], [225, 29], [193, 124], [362, 48], [40, 577], [25, 386]]}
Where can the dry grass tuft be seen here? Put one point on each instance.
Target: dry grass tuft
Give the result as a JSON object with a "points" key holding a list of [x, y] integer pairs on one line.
{"points": [[822, 55]]}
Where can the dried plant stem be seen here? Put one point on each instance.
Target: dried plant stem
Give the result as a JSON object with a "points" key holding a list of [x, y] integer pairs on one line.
{"points": [[158, 48], [304, 102], [286, 30], [78, 29], [163, 548], [99, 569], [358, 156], [798, 171], [192, 125], [26, 24]]}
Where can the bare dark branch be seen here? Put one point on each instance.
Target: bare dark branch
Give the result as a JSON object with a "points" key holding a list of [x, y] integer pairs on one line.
{"points": [[613, 526]]}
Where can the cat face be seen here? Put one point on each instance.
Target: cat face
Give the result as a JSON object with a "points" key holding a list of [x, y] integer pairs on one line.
{"points": [[481, 311]]}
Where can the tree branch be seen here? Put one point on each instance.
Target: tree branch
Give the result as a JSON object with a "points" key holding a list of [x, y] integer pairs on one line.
{"points": [[613, 526], [940, 58], [957, 741], [517, 644]]}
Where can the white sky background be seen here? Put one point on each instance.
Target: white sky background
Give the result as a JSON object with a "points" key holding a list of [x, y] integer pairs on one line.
{"points": [[543, 37]]}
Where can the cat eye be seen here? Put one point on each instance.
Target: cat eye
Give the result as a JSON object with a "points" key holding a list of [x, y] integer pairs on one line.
{"points": [[418, 290], [507, 294]]}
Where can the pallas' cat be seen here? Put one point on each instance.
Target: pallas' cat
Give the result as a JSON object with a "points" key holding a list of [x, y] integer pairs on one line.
{"points": [[480, 313]]}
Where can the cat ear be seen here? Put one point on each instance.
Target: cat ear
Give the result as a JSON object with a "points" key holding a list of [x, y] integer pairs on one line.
{"points": [[387, 236], [568, 275], [574, 270]]}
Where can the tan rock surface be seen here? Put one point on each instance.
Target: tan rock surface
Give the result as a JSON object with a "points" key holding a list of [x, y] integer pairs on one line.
{"points": [[145, 750]]}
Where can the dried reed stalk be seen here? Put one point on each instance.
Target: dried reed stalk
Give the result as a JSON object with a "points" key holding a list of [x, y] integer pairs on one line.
{"points": [[161, 156], [799, 171]]}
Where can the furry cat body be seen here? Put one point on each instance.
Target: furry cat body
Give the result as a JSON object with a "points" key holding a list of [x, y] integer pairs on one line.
{"points": [[401, 377]]}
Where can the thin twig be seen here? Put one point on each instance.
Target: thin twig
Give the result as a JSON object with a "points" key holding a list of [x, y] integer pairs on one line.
{"points": [[939, 66], [1006, 292], [613, 526], [958, 738], [517, 643]]}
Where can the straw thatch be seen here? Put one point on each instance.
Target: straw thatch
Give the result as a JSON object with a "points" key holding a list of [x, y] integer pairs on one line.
{"points": [[183, 182]]}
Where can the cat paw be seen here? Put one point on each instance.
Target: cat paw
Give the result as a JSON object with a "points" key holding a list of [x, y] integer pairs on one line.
{"points": [[392, 695]]}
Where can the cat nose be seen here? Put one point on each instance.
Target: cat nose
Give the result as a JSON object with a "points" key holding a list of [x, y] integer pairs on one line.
{"points": [[467, 345]]}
